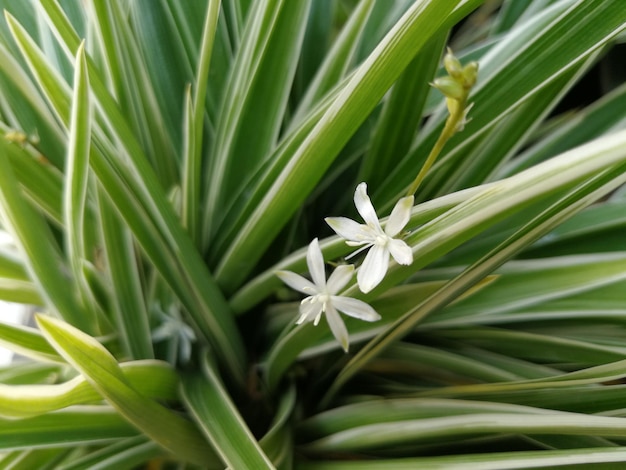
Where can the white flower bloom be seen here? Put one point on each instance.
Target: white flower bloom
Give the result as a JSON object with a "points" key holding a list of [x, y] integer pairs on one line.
{"points": [[371, 235], [322, 295]]}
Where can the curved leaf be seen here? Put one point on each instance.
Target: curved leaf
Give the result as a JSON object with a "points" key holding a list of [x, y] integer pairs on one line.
{"points": [[169, 430]]}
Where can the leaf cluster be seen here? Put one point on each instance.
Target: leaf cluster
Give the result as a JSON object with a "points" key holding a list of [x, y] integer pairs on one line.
{"points": [[160, 161]]}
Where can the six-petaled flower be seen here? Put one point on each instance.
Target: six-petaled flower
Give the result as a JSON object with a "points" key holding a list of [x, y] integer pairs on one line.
{"points": [[382, 243], [323, 298]]}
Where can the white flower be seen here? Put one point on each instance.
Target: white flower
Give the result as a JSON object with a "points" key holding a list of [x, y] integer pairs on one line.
{"points": [[180, 336], [322, 295], [371, 235]]}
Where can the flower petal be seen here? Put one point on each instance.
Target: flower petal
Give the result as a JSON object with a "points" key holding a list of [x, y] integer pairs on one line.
{"points": [[373, 269], [315, 261], [309, 310], [400, 251], [297, 282], [337, 326], [339, 278], [355, 308], [364, 206], [349, 229], [399, 217]]}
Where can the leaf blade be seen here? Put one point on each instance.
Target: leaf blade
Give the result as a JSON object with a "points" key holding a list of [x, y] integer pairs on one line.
{"points": [[93, 361]]}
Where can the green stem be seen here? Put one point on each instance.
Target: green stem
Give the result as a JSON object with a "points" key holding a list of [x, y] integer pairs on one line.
{"points": [[448, 131]]}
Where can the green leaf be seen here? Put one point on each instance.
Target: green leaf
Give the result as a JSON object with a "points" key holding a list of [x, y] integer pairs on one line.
{"points": [[76, 177], [368, 413], [255, 99], [512, 12], [581, 399], [52, 79], [15, 286], [126, 453], [27, 342], [404, 104], [548, 44], [547, 347], [38, 118], [129, 308], [584, 195], [169, 430], [131, 85], [31, 373], [523, 284], [39, 250], [217, 416], [597, 119], [338, 59], [314, 156], [67, 428], [444, 367], [596, 229], [193, 135], [140, 200], [393, 433], [604, 373], [161, 32], [44, 459], [490, 461], [154, 380], [41, 182], [278, 441]]}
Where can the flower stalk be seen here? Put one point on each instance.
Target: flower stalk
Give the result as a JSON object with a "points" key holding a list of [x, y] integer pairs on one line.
{"points": [[456, 87]]}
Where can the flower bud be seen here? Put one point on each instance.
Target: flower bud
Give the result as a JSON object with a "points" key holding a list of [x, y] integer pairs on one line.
{"points": [[450, 88], [470, 72], [452, 65]]}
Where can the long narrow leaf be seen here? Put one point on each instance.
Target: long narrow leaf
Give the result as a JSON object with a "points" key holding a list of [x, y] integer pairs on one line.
{"points": [[193, 138], [255, 99], [492, 461], [124, 454], [141, 202], [217, 416], [36, 242], [585, 195], [134, 89], [547, 44], [153, 379], [391, 433], [130, 312], [338, 59], [314, 156], [41, 182], [173, 433], [77, 173], [66, 428], [28, 342]]}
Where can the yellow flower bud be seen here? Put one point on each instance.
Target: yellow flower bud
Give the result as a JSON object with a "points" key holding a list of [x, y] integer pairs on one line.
{"points": [[470, 72], [452, 65], [450, 88]]}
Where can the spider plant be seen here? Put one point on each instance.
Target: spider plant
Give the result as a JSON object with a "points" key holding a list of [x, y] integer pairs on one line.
{"points": [[170, 170]]}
